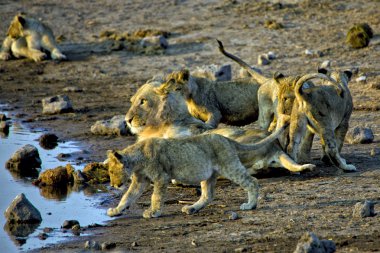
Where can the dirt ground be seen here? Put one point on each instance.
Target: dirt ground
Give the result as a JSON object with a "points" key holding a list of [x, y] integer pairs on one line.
{"points": [[320, 201]]}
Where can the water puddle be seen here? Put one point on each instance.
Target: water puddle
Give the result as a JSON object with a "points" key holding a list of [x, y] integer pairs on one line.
{"points": [[55, 207]]}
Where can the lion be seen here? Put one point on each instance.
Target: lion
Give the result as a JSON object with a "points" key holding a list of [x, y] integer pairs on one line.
{"points": [[164, 114], [268, 92], [231, 102], [194, 159], [26, 37], [324, 110]]}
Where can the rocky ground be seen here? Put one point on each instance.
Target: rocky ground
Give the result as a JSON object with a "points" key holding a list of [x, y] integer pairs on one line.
{"points": [[109, 71]]}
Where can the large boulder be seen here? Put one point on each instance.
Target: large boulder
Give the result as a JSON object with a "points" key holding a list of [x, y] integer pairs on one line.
{"points": [[56, 104], [309, 243], [114, 126], [22, 211], [25, 161], [60, 176]]}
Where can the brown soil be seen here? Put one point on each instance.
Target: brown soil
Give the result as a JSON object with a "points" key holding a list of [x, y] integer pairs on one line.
{"points": [[109, 72]]}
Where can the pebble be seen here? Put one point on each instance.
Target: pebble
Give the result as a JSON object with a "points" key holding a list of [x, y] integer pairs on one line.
{"points": [[271, 55], [263, 60], [233, 216], [92, 245], [69, 223], [326, 64], [361, 79], [309, 242], [363, 210], [72, 89], [43, 236], [134, 244]]}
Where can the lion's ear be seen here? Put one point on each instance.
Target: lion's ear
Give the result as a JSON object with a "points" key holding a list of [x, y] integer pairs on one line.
{"points": [[348, 73], [278, 75], [183, 75], [21, 20], [322, 71]]}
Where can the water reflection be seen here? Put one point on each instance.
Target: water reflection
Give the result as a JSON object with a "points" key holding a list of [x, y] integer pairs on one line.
{"points": [[55, 204]]}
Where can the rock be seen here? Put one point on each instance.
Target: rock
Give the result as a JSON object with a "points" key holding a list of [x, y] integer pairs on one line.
{"points": [[93, 245], [233, 216], [108, 245], [20, 229], [375, 86], [240, 250], [361, 79], [309, 243], [72, 89], [25, 161], [359, 35], [69, 224], [48, 141], [373, 152], [272, 24], [325, 65], [60, 176], [43, 236], [79, 177], [115, 126], [155, 41], [363, 210], [134, 244], [56, 104], [4, 127], [359, 135], [96, 173], [48, 230], [214, 72], [271, 56], [315, 53], [22, 211], [263, 60]]}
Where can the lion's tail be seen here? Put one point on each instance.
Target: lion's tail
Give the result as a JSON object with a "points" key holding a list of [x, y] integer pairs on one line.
{"points": [[298, 87], [252, 71]]}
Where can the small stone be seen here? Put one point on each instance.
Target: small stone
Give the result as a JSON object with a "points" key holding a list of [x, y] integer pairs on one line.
{"points": [[271, 55], [108, 245], [233, 216], [72, 89], [308, 52], [272, 24], [309, 243], [364, 210], [56, 104], [214, 72], [134, 244], [373, 152], [92, 245], [155, 41], [69, 224], [263, 60], [114, 126], [194, 243], [359, 135], [375, 86], [22, 211], [359, 35], [25, 161], [361, 79], [47, 230], [43, 236], [325, 65], [241, 250], [315, 53], [48, 141]]}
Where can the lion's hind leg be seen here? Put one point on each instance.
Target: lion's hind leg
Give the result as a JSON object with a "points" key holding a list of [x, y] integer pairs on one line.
{"points": [[288, 163], [135, 190], [238, 174], [25, 47], [208, 191]]}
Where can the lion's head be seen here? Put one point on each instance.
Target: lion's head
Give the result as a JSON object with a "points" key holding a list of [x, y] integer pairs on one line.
{"points": [[153, 105], [16, 28]]}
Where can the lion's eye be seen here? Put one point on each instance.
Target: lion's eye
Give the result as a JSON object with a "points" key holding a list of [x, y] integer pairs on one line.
{"points": [[143, 101]]}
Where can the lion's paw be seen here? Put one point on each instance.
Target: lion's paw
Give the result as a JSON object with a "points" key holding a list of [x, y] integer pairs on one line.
{"points": [[5, 56], [113, 212], [350, 168], [57, 55], [189, 210], [38, 56], [247, 206], [308, 166], [151, 214]]}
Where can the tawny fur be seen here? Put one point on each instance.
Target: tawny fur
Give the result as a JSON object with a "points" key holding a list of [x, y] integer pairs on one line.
{"points": [[27, 37]]}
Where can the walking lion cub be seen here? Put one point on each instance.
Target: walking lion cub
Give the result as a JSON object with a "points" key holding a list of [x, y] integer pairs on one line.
{"points": [[190, 160], [26, 37]]}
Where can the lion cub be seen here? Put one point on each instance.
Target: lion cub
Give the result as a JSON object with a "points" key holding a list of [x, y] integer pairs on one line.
{"points": [[26, 37], [191, 160]]}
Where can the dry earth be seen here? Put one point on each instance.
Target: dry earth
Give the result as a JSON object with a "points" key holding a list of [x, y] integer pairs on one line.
{"points": [[109, 74]]}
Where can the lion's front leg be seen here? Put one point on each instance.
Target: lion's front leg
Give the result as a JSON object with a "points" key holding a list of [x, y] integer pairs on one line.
{"points": [[297, 131], [135, 190], [208, 191], [5, 53], [159, 190]]}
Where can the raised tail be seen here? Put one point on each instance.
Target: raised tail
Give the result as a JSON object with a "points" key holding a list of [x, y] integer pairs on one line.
{"points": [[252, 71]]}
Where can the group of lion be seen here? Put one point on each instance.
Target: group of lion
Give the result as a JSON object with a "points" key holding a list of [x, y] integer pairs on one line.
{"points": [[176, 117]]}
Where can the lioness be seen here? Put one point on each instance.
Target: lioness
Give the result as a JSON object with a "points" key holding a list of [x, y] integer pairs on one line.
{"points": [[230, 102], [269, 90], [164, 113], [191, 160], [324, 110], [26, 37]]}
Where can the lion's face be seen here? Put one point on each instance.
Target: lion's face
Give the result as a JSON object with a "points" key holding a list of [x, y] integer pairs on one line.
{"points": [[154, 104], [16, 29], [116, 171]]}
